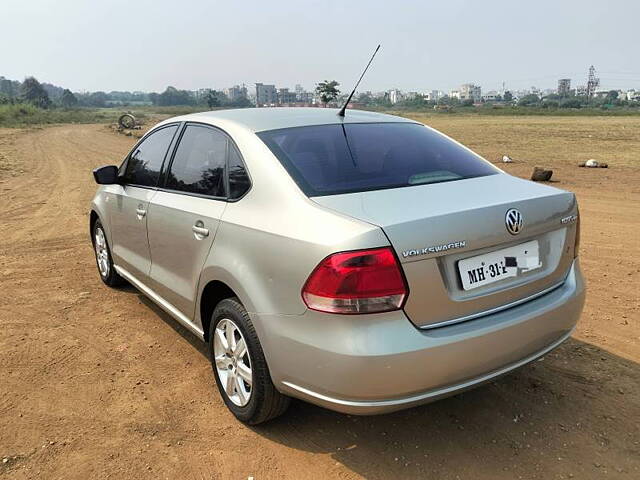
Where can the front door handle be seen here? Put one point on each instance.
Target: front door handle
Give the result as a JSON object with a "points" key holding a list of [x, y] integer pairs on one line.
{"points": [[140, 212], [199, 230]]}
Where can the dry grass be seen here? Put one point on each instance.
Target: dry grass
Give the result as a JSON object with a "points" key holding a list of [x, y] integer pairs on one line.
{"points": [[551, 141]]}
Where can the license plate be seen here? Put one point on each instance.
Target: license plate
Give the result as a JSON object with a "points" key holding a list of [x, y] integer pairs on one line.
{"points": [[495, 266]]}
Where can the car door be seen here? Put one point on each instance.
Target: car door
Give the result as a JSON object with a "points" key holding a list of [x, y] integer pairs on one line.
{"points": [[185, 213], [128, 206]]}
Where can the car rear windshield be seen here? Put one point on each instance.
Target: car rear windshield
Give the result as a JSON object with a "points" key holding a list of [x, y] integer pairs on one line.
{"points": [[344, 158]]}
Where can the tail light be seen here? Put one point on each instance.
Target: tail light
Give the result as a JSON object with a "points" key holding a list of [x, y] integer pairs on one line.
{"points": [[361, 281]]}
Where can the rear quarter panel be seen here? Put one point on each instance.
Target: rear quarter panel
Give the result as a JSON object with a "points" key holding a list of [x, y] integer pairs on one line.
{"points": [[269, 241]]}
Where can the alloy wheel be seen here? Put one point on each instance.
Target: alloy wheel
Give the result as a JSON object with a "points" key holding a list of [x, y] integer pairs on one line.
{"points": [[232, 362], [102, 253]]}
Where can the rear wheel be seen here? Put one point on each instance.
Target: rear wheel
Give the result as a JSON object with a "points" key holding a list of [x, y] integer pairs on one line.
{"points": [[239, 366], [104, 261]]}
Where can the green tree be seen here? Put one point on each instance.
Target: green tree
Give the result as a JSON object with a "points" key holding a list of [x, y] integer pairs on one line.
{"points": [[414, 102], [98, 99], [32, 92], [611, 97], [68, 99], [10, 88], [240, 102], [173, 96], [529, 100], [508, 96], [364, 98], [327, 90], [213, 99], [571, 103]]}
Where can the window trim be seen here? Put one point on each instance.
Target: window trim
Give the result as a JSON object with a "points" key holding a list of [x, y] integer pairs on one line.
{"points": [[246, 169], [162, 183], [123, 166]]}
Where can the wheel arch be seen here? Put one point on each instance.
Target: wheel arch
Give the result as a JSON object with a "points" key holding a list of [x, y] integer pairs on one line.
{"points": [[98, 213], [93, 217], [213, 293]]}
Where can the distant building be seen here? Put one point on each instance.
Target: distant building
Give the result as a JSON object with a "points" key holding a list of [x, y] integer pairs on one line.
{"points": [[236, 92], [633, 95], [600, 93], [395, 96], [491, 96], [454, 94], [434, 95], [564, 87], [266, 95], [518, 94], [285, 96], [469, 91], [581, 91], [306, 97]]}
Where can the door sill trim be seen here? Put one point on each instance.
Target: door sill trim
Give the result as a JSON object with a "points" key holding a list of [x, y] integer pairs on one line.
{"points": [[161, 302]]}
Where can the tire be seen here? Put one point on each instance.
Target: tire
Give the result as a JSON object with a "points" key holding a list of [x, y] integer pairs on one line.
{"points": [[264, 402], [104, 262], [127, 121]]}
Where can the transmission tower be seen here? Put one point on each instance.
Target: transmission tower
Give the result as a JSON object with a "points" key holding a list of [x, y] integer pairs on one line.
{"points": [[593, 82]]}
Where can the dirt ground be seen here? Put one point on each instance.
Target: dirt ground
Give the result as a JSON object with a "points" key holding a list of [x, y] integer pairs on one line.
{"points": [[99, 383]]}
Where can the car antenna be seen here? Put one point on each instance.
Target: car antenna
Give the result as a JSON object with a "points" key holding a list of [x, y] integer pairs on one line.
{"points": [[344, 107]]}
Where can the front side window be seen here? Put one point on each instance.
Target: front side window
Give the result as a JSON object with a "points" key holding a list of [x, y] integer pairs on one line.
{"points": [[344, 158], [145, 162], [199, 162]]}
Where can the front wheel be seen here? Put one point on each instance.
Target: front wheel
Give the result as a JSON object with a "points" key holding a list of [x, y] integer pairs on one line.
{"points": [[239, 366]]}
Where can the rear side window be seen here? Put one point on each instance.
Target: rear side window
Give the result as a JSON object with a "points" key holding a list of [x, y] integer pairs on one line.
{"points": [[239, 182], [199, 162], [145, 162], [333, 159]]}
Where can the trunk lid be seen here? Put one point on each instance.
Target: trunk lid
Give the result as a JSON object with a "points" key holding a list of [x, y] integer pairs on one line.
{"points": [[434, 227]]}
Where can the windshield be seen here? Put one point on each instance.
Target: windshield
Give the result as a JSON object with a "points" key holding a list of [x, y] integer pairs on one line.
{"points": [[344, 158]]}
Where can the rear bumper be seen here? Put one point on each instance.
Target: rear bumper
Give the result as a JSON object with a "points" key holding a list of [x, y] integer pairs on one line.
{"points": [[380, 363]]}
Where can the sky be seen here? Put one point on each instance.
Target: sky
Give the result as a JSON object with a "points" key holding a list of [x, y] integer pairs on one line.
{"points": [[145, 45]]}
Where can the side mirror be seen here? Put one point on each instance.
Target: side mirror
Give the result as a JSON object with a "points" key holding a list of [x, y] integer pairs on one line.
{"points": [[107, 175]]}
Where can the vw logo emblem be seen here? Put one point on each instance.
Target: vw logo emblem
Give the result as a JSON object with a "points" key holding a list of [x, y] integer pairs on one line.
{"points": [[513, 221]]}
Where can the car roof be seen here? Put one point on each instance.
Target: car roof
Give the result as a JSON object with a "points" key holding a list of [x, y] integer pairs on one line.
{"points": [[273, 118]]}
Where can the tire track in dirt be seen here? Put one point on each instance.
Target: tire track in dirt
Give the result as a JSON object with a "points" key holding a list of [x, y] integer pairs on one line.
{"points": [[87, 350], [123, 391]]}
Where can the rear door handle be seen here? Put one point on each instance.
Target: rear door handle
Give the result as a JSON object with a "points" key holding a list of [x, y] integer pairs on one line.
{"points": [[140, 212], [199, 230]]}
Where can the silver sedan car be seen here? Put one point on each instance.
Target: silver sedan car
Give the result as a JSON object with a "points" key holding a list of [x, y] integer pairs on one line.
{"points": [[364, 263]]}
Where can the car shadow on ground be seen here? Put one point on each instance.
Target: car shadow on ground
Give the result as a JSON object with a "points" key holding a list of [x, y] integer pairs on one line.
{"points": [[572, 414], [557, 417], [186, 334]]}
